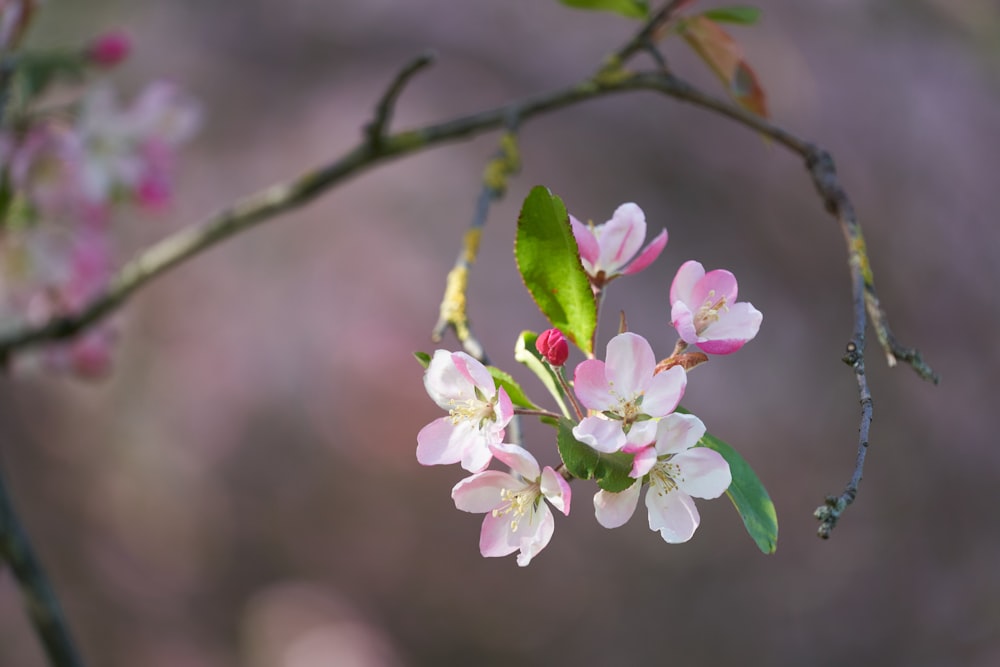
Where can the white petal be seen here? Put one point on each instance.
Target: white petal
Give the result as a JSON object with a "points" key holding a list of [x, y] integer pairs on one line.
{"points": [[665, 392], [673, 514], [630, 364], [445, 383], [534, 535], [519, 459], [480, 493], [676, 433], [683, 285], [603, 434], [703, 473], [614, 509]]}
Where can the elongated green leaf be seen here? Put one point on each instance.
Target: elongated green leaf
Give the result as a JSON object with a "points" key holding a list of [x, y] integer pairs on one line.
{"points": [[423, 359], [526, 353], [749, 496], [633, 9], [610, 471], [549, 261], [513, 389], [739, 15]]}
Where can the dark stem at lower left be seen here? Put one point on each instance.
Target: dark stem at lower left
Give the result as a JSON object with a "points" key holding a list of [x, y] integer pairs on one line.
{"points": [[39, 598]]}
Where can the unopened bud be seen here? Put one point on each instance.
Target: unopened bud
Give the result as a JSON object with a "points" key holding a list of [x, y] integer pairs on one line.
{"points": [[110, 48], [552, 345]]}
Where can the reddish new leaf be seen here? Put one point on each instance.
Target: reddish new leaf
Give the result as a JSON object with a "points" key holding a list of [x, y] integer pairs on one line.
{"points": [[723, 54]]}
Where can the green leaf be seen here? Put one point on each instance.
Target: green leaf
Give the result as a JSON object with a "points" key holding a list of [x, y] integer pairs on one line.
{"points": [[526, 353], [748, 495], [423, 359], [37, 70], [609, 470], [739, 15], [633, 9], [513, 389], [549, 261]]}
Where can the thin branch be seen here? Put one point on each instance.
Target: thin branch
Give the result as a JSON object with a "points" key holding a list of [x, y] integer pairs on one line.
{"points": [[376, 129], [39, 599]]}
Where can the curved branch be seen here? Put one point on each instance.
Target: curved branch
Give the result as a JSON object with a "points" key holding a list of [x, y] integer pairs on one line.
{"points": [[610, 79]]}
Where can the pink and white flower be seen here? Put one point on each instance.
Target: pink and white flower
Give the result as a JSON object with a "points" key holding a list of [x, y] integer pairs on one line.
{"points": [[478, 412], [677, 472], [704, 310], [625, 391], [607, 250], [516, 517]]}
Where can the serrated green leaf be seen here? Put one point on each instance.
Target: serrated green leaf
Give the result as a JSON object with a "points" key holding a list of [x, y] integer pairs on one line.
{"points": [[549, 261], [423, 359], [633, 9], [749, 496], [513, 389], [610, 471], [739, 15], [526, 353]]}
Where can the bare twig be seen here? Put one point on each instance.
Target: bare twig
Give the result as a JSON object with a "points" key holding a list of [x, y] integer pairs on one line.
{"points": [[453, 312], [376, 129], [39, 599]]}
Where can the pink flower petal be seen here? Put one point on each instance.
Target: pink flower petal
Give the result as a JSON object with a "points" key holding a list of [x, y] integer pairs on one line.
{"points": [[648, 255], [641, 435], [665, 392], [600, 433], [621, 237], [614, 509], [480, 493], [519, 459], [591, 386], [496, 539], [714, 285], [683, 285], [629, 366], [703, 473], [682, 319], [672, 513], [556, 489], [734, 327], [586, 242], [676, 433]]}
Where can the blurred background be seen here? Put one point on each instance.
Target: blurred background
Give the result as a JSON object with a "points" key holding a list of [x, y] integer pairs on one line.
{"points": [[243, 489]]}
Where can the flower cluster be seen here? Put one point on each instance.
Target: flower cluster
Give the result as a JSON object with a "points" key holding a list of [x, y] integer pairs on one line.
{"points": [[625, 409], [65, 173]]}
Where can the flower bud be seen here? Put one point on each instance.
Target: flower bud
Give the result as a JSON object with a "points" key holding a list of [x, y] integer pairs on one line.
{"points": [[552, 345], [110, 48]]}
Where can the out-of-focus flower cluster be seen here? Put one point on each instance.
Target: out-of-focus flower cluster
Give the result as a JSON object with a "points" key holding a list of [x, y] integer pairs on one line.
{"points": [[625, 406], [66, 171]]}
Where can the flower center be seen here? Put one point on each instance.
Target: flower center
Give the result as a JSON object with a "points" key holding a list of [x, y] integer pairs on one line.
{"points": [[518, 503], [661, 477], [478, 412], [709, 311]]}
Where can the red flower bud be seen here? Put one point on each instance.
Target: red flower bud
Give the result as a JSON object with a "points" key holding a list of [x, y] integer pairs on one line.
{"points": [[110, 48], [552, 345]]}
